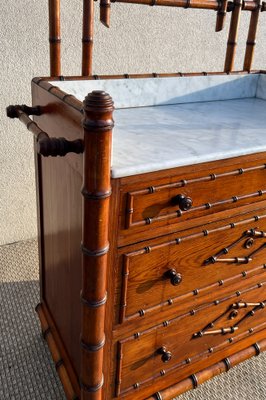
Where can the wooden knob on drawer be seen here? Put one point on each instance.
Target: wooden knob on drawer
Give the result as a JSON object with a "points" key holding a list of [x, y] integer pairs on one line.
{"points": [[166, 355], [183, 202], [175, 277]]}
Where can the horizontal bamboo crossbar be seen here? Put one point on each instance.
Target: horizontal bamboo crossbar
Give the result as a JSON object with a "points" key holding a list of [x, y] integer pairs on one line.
{"points": [[46, 146], [225, 365], [155, 75], [215, 5]]}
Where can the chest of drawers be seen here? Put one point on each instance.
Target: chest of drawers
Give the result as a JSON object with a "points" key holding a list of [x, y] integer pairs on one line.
{"points": [[169, 288], [152, 223]]}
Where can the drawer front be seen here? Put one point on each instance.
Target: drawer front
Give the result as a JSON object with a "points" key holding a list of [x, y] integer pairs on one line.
{"points": [[190, 337], [182, 269], [192, 195]]}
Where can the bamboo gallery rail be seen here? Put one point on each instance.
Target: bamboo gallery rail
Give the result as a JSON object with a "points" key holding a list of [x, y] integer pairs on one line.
{"points": [[221, 6]]}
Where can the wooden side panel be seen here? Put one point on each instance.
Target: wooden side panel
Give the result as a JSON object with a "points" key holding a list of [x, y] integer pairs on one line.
{"points": [[61, 180]]}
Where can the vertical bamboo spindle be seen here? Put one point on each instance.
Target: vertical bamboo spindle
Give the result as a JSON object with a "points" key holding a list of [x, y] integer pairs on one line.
{"points": [[251, 41], [221, 15], [87, 37], [54, 37], [96, 191], [105, 11], [232, 39]]}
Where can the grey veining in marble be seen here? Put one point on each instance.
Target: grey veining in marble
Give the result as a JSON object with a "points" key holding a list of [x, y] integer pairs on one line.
{"points": [[128, 93], [261, 89], [190, 120], [155, 138]]}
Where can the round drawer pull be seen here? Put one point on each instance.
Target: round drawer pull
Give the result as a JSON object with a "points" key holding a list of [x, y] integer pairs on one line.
{"points": [[166, 355], [175, 277], [182, 201]]}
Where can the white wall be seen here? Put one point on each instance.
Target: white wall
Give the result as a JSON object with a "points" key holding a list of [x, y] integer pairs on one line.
{"points": [[140, 39]]}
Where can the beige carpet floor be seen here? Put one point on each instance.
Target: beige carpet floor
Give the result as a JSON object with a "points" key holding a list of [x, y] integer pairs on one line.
{"points": [[26, 368]]}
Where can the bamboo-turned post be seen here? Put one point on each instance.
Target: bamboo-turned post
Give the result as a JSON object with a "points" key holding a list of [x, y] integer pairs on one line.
{"points": [[54, 37], [232, 38], [96, 191], [87, 37], [221, 15], [251, 40], [105, 11]]}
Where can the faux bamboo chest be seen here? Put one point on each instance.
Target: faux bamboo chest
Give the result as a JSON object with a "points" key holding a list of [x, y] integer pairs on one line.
{"points": [[152, 223]]}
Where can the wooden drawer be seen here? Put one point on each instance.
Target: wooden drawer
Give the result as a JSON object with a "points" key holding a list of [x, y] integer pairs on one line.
{"points": [[162, 202], [181, 342], [160, 274]]}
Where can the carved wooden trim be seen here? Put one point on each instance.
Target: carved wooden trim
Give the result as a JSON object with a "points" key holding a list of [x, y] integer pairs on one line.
{"points": [[123, 302], [208, 329], [184, 182], [179, 240], [199, 290], [247, 236], [204, 306], [174, 300], [193, 359], [206, 178], [197, 357], [210, 372], [119, 369]]}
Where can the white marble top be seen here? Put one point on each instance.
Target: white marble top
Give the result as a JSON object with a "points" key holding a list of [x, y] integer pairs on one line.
{"points": [[170, 136], [159, 137]]}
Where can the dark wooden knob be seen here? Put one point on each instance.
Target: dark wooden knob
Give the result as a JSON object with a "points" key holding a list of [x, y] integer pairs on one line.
{"points": [[183, 202], [166, 355], [175, 277]]}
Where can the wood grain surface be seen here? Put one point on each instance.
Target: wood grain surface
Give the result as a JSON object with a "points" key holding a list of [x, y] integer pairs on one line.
{"points": [[159, 328]]}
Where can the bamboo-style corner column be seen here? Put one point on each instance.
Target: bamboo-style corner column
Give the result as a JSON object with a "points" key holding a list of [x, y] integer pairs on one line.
{"points": [[105, 12], [54, 37], [251, 41], [221, 15], [87, 37], [96, 191], [232, 38]]}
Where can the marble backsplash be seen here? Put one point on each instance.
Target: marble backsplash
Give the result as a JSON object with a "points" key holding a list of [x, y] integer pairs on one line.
{"points": [[128, 93], [190, 124], [261, 88]]}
